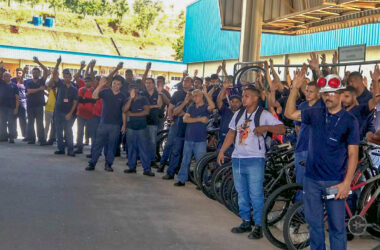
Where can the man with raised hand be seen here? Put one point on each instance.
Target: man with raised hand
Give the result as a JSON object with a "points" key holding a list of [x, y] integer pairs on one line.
{"points": [[108, 131], [331, 161], [65, 106], [35, 101]]}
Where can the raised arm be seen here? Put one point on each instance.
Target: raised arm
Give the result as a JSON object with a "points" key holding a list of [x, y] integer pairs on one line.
{"points": [[147, 69], [291, 111], [314, 65], [114, 71], [102, 83], [375, 75], [82, 66], [44, 68], [210, 102], [222, 93], [178, 110]]}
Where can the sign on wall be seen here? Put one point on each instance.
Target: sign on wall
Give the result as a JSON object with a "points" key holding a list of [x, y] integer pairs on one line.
{"points": [[355, 53]]}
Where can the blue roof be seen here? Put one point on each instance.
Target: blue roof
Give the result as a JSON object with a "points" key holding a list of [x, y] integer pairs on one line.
{"points": [[205, 41], [70, 57]]}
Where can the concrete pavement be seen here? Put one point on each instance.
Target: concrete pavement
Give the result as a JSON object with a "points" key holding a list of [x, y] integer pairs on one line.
{"points": [[50, 202]]}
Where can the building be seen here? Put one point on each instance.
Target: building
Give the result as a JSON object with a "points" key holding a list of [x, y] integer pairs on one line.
{"points": [[207, 44], [15, 57]]}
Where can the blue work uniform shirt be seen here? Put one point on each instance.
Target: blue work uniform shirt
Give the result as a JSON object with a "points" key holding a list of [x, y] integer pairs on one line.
{"points": [[37, 99], [8, 94], [197, 131], [153, 117], [226, 115], [137, 106], [65, 97], [362, 114], [328, 150], [364, 97], [303, 134], [112, 107]]}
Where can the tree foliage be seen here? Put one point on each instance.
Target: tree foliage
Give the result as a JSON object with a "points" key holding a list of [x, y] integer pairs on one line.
{"points": [[178, 45], [146, 13]]}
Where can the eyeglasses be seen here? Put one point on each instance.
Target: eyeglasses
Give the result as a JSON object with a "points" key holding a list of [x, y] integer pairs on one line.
{"points": [[333, 82]]}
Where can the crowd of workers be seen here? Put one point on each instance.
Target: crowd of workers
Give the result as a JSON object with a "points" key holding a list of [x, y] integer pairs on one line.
{"points": [[331, 115]]}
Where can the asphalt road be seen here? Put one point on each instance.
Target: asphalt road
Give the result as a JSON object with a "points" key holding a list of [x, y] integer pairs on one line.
{"points": [[50, 202]]}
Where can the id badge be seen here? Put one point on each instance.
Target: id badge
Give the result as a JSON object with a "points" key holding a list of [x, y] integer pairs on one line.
{"points": [[66, 100]]}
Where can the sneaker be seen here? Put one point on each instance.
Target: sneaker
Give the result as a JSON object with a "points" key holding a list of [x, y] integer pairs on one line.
{"points": [[168, 177], [149, 173], [256, 233], [244, 227], [179, 184], [90, 167], [108, 168], [130, 171]]}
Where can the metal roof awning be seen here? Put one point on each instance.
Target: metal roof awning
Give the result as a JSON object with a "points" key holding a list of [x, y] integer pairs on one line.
{"points": [[295, 17]]}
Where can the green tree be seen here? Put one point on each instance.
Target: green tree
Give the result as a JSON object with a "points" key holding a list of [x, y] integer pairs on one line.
{"points": [[121, 8], [56, 5], [33, 2], [178, 47], [146, 13]]}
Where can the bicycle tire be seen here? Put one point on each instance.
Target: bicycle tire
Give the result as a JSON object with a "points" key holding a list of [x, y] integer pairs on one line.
{"points": [[217, 181], [267, 223], [201, 164], [205, 173], [294, 220], [373, 214], [160, 145]]}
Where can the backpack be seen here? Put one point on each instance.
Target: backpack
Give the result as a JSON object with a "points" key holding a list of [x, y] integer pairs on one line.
{"points": [[267, 137]]}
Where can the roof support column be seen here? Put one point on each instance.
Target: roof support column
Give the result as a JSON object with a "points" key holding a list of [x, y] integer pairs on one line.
{"points": [[250, 40]]}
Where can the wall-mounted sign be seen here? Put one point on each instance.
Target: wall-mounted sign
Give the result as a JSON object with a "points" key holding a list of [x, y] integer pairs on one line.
{"points": [[354, 53]]}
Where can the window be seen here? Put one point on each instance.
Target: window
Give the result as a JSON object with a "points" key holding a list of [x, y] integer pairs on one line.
{"points": [[176, 78]]}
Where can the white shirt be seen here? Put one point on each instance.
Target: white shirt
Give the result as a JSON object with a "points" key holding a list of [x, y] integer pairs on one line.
{"points": [[246, 142]]}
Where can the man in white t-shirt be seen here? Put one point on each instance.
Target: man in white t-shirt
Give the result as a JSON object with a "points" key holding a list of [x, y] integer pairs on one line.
{"points": [[248, 157]]}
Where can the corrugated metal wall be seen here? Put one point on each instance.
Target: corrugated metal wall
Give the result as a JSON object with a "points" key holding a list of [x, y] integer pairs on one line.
{"points": [[205, 41]]}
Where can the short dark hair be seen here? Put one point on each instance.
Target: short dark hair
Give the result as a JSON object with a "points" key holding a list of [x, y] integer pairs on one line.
{"points": [[350, 89], [36, 68], [253, 89], [356, 74], [161, 78], [118, 78], [19, 69], [207, 79], [214, 77], [152, 79], [313, 83], [129, 71], [197, 78]]}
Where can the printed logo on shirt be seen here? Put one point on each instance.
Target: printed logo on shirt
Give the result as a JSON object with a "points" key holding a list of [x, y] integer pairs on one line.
{"points": [[244, 131]]}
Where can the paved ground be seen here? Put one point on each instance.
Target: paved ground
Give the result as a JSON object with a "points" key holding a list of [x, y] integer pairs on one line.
{"points": [[50, 202]]}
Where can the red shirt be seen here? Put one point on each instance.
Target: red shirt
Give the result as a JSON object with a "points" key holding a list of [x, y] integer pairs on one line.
{"points": [[85, 110], [98, 107], [81, 83]]}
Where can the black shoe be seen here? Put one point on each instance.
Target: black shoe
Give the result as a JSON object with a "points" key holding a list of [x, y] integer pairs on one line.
{"points": [[78, 151], [117, 154], [59, 152], [168, 177], [31, 142], [350, 236], [108, 168], [11, 141], [71, 154], [149, 173], [90, 167], [50, 142], [160, 169], [45, 144], [130, 171], [89, 156], [256, 233], [179, 184], [153, 164], [25, 139], [243, 228]]}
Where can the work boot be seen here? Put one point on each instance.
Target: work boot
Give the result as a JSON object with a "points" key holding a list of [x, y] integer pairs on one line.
{"points": [[78, 151], [160, 169], [179, 184], [149, 173], [72, 154], [130, 171], [108, 168], [257, 233], [245, 226], [168, 177], [153, 164], [90, 167]]}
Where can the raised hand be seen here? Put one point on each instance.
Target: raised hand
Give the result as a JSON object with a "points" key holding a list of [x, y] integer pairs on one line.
{"points": [[299, 78], [195, 73], [323, 59], [82, 64], [223, 65], [103, 81], [375, 75], [271, 62], [119, 65], [335, 58], [133, 94], [148, 65], [219, 69], [35, 59], [314, 61]]}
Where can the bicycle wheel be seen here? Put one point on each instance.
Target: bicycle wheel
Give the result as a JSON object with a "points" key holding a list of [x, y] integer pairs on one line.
{"points": [[205, 173], [216, 181], [274, 211], [296, 231], [202, 164], [161, 145], [373, 214]]}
